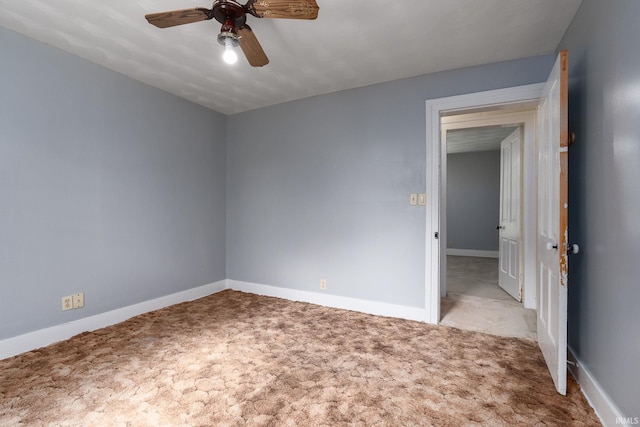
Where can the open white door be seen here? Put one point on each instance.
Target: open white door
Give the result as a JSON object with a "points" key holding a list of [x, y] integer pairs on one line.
{"points": [[509, 225], [551, 245]]}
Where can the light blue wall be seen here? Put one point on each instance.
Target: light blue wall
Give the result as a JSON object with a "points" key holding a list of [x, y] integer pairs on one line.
{"points": [[319, 188], [473, 200], [604, 195], [107, 186]]}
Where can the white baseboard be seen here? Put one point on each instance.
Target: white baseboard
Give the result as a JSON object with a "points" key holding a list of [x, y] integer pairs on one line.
{"points": [[33, 340], [354, 304], [604, 407], [43, 337], [472, 252]]}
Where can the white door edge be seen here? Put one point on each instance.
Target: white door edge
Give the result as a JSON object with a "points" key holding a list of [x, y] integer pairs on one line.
{"points": [[509, 227]]}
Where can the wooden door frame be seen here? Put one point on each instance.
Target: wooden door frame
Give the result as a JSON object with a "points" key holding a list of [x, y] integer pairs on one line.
{"points": [[436, 174]]}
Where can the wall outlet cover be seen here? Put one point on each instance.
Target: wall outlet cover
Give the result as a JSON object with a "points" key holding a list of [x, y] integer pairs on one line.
{"points": [[67, 303]]}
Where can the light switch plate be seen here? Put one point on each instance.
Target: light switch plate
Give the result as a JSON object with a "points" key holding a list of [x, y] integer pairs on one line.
{"points": [[413, 199], [422, 199], [78, 300]]}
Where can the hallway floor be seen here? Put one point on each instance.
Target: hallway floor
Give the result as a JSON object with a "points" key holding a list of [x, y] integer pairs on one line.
{"points": [[475, 301]]}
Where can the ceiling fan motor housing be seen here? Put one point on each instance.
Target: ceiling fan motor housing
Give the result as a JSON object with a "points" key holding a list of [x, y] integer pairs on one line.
{"points": [[229, 10], [231, 15], [228, 33]]}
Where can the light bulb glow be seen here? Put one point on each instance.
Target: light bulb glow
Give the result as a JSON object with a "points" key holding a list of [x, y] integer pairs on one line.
{"points": [[229, 56]]}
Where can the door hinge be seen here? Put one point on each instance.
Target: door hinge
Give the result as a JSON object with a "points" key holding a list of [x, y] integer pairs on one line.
{"points": [[435, 235]]}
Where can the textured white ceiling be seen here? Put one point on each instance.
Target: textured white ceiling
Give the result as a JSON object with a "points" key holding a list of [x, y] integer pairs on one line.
{"points": [[352, 43], [477, 139]]}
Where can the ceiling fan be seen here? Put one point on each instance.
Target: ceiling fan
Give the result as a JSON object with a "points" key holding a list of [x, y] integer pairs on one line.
{"points": [[233, 17]]}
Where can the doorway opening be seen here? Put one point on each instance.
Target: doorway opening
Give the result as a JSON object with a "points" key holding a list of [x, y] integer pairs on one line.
{"points": [[482, 188]]}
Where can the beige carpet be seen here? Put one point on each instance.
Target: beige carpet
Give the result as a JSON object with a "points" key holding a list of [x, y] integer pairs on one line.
{"points": [[475, 302], [474, 276], [239, 359]]}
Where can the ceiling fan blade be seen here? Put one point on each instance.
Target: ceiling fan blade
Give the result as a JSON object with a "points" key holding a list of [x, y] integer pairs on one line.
{"points": [[178, 17], [251, 47], [291, 9]]}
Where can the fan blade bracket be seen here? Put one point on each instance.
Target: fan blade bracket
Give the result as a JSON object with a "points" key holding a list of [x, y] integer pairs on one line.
{"points": [[283, 9], [250, 9]]}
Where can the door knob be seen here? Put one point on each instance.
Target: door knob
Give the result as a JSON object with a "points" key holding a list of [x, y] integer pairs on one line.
{"points": [[500, 227], [551, 246], [573, 249]]}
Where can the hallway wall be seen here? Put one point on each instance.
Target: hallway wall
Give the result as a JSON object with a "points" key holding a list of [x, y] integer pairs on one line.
{"points": [[473, 200]]}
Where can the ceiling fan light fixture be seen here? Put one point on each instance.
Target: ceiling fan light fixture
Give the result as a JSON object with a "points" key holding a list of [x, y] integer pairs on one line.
{"points": [[228, 38], [229, 56]]}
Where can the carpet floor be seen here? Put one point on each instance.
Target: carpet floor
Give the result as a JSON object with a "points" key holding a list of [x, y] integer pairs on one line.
{"points": [[476, 302], [234, 358]]}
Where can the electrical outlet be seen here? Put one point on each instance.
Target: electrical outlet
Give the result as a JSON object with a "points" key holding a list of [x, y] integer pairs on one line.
{"points": [[67, 303], [78, 300], [323, 284], [413, 199]]}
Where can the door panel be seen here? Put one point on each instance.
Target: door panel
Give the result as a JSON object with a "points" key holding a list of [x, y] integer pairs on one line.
{"points": [[551, 245], [509, 221]]}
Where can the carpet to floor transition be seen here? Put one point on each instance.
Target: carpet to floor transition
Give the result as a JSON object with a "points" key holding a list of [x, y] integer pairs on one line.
{"points": [[234, 358]]}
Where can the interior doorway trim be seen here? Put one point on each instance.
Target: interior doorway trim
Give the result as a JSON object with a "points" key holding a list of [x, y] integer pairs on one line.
{"points": [[435, 108]]}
